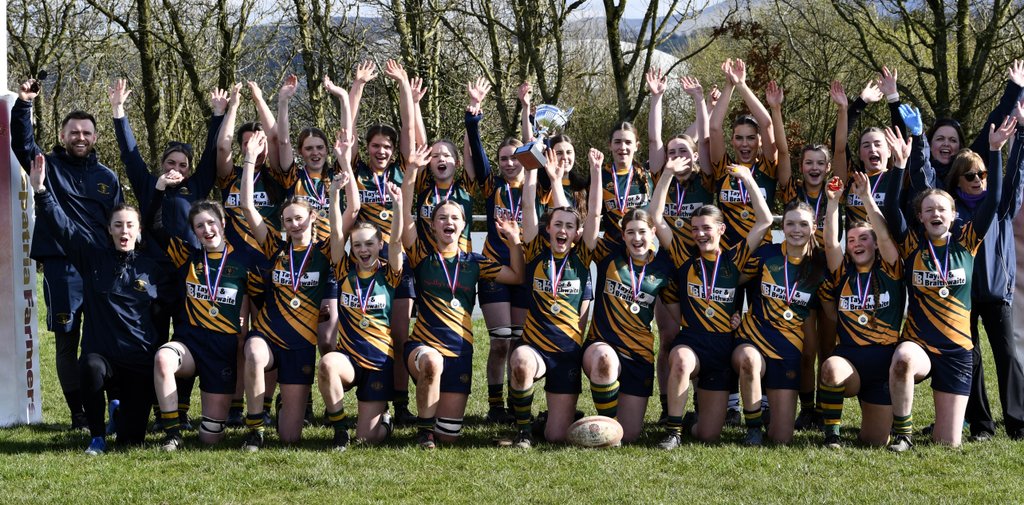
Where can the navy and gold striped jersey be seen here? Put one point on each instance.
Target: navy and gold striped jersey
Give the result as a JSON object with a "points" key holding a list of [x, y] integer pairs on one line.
{"points": [[267, 196], [938, 323], [231, 279], [692, 287], [878, 295], [376, 205], [765, 324], [314, 189], [429, 194], [555, 331], [796, 191], [442, 324], [855, 207], [734, 198], [622, 189], [684, 198], [504, 201], [288, 326], [614, 322], [365, 337]]}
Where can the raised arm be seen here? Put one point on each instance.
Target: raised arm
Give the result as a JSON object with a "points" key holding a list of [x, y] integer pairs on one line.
{"points": [[509, 233], [266, 118], [887, 85], [693, 88], [716, 129], [529, 205], [418, 91], [997, 138], [891, 210], [366, 71], [762, 213], [395, 247], [415, 162], [657, 82], [840, 158], [833, 246], [23, 141], [152, 218], [525, 94], [225, 161], [407, 137], [1007, 102], [757, 109], [887, 247], [593, 222], [775, 96], [344, 116], [286, 153], [479, 168], [253, 149], [922, 175], [657, 205], [340, 218], [67, 233], [135, 167], [1013, 188]]}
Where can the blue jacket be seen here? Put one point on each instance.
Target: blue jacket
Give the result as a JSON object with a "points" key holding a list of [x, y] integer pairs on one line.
{"points": [[87, 190], [119, 290]]}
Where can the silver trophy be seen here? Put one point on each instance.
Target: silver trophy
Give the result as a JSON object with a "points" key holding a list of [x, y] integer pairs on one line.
{"points": [[546, 119]]}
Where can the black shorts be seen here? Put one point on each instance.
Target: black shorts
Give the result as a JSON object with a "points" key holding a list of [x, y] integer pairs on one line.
{"points": [[714, 353], [215, 355], [457, 375], [952, 371], [63, 294], [294, 366], [872, 365], [563, 370], [636, 377], [372, 385], [406, 288], [495, 292]]}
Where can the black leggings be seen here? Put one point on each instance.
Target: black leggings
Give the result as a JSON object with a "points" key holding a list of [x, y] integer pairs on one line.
{"points": [[134, 391], [1007, 353], [67, 363]]}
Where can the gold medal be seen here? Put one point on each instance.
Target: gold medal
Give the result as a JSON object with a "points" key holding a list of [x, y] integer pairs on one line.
{"points": [[787, 315], [680, 223], [364, 322], [556, 308], [634, 308], [214, 311], [709, 312], [295, 303], [863, 320], [322, 212], [745, 214]]}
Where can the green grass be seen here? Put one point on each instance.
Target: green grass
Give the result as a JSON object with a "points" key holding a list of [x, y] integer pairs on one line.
{"points": [[44, 464]]}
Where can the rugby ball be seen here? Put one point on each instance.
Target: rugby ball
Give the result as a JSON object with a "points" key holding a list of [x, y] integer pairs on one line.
{"points": [[595, 431]]}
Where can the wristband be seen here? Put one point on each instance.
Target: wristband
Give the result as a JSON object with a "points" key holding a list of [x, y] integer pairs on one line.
{"points": [[892, 97]]}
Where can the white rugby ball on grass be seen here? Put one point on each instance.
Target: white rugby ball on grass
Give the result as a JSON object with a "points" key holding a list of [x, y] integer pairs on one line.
{"points": [[595, 431]]}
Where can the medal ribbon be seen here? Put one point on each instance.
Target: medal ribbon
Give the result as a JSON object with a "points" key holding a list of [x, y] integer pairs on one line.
{"points": [[513, 206], [943, 269], [455, 278], [744, 194], [817, 204], [789, 292], [636, 284], [363, 301], [297, 278], [620, 202], [556, 277], [709, 289], [212, 287], [437, 194], [680, 197], [320, 194], [862, 293], [382, 189]]}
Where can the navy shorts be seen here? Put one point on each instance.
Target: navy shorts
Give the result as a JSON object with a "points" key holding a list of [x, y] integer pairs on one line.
{"points": [[63, 293], [294, 366], [373, 385], [407, 284], [457, 375], [714, 354], [952, 371], [563, 370], [215, 355], [872, 365], [496, 292], [636, 377], [331, 293]]}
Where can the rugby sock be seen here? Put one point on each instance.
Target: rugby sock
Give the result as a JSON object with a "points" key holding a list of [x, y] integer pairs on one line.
{"points": [[606, 398], [495, 395], [425, 423], [522, 404], [338, 419], [807, 401], [183, 408], [254, 422], [268, 403], [903, 425], [663, 398], [753, 418], [675, 425], [831, 400], [171, 422], [237, 405], [401, 399]]}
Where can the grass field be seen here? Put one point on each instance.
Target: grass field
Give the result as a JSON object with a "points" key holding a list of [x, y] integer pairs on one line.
{"points": [[45, 464]]}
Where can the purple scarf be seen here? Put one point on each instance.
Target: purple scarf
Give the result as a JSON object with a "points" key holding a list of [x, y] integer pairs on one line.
{"points": [[971, 201]]}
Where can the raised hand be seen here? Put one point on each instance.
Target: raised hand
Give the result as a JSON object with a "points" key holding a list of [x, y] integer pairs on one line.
{"points": [[37, 176], [478, 90], [332, 88], [341, 179], [838, 95], [774, 95], [1018, 112], [288, 89], [508, 230], [887, 81], [418, 89], [169, 179], [691, 86], [525, 93], [1017, 72], [219, 101], [25, 91], [740, 172], [834, 188], [713, 96], [861, 186], [366, 71], [899, 146], [395, 71], [254, 90], [256, 145], [118, 93], [396, 194], [871, 93], [657, 81], [596, 158], [739, 70], [997, 137], [343, 143], [912, 118], [419, 157], [554, 169]]}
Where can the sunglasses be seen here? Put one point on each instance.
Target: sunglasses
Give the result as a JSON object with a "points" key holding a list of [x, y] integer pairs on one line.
{"points": [[970, 176]]}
